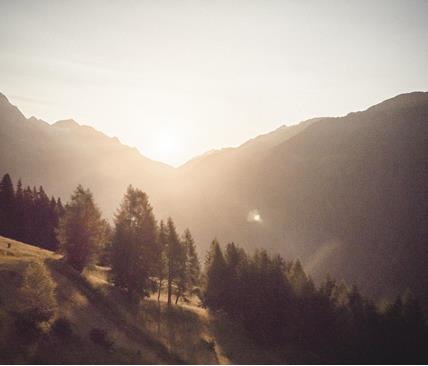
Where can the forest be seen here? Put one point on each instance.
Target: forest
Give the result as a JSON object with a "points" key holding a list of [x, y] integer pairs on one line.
{"points": [[272, 298]]}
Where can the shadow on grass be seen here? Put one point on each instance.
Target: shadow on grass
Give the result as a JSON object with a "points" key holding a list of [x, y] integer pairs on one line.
{"points": [[239, 348], [180, 329], [111, 304]]}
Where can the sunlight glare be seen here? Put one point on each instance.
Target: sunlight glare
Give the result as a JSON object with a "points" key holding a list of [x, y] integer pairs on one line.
{"points": [[254, 216]]}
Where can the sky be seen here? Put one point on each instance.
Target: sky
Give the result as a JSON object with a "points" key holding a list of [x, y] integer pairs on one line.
{"points": [[178, 78]]}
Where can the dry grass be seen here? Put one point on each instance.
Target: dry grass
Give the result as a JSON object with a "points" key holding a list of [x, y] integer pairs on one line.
{"points": [[148, 332], [81, 304]]}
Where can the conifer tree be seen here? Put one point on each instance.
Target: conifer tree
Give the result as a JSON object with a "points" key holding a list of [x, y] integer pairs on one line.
{"points": [[134, 245], [174, 256], [193, 267], [188, 267], [7, 207], [80, 231], [216, 277], [28, 218], [20, 212], [162, 270]]}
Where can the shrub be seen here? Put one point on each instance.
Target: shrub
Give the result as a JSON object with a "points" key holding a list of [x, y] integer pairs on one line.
{"points": [[37, 298], [100, 336]]}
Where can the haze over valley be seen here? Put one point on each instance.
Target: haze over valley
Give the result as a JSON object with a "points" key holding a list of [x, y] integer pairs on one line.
{"points": [[213, 182], [346, 195]]}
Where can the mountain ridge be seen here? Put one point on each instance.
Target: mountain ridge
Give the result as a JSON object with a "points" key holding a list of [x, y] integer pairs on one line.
{"points": [[326, 190]]}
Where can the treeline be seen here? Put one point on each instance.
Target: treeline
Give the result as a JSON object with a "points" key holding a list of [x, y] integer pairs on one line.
{"points": [[279, 306], [145, 256], [274, 300], [28, 214]]}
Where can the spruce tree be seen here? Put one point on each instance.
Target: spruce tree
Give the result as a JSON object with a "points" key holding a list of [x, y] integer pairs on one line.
{"points": [[216, 272], [7, 207], [19, 212]]}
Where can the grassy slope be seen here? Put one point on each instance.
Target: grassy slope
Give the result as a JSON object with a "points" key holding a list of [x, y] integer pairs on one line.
{"points": [[83, 305], [144, 333]]}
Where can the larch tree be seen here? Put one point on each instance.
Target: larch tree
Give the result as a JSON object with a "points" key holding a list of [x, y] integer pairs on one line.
{"points": [[162, 268], [174, 253], [190, 274], [81, 229], [134, 245]]}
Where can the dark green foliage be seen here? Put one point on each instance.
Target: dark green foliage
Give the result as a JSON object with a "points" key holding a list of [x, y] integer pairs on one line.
{"points": [[28, 215], [279, 306], [216, 278], [7, 207], [134, 255]]}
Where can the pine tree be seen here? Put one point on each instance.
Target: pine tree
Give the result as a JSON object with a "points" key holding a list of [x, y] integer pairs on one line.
{"points": [[134, 245], [80, 231], [7, 207]]}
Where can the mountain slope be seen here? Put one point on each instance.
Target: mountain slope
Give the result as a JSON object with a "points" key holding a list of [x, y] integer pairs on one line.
{"points": [[65, 154], [347, 195], [357, 196]]}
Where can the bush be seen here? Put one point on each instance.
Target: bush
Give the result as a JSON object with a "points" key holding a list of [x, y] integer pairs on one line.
{"points": [[37, 298], [62, 328], [101, 337]]}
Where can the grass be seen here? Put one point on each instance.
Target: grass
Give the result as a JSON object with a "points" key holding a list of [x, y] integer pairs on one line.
{"points": [[80, 303], [142, 333]]}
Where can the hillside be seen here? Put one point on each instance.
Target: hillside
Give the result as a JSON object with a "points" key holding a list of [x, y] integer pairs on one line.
{"points": [[144, 333], [88, 303], [62, 155], [347, 195]]}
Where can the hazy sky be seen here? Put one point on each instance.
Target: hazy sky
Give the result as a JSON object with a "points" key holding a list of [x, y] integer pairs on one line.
{"points": [[178, 78]]}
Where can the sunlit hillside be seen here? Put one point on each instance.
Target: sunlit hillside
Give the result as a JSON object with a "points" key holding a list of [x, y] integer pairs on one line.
{"points": [[87, 303], [345, 195]]}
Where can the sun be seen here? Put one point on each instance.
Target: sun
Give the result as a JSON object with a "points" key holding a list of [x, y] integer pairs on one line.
{"points": [[167, 147]]}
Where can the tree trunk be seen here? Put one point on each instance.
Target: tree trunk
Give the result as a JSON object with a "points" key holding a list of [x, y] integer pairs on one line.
{"points": [[159, 290], [169, 281], [176, 299]]}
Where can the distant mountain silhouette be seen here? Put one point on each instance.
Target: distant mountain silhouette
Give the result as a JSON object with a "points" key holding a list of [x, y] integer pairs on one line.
{"points": [[64, 154], [347, 195]]}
